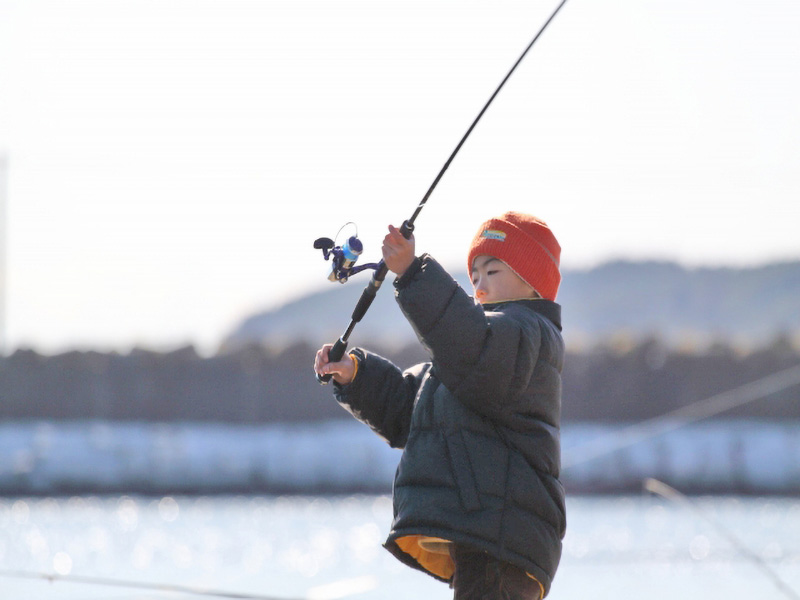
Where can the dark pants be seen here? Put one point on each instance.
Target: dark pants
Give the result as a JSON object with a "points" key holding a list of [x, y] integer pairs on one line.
{"points": [[479, 576]]}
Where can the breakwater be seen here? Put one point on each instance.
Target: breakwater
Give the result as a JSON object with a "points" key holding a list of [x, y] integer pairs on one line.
{"points": [[43, 458]]}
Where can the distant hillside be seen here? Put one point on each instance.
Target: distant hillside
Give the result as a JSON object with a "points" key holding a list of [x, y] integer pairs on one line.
{"points": [[640, 299]]}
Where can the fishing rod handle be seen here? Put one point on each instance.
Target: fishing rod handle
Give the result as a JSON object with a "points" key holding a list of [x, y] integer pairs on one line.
{"points": [[368, 295], [335, 355], [407, 228], [364, 302]]}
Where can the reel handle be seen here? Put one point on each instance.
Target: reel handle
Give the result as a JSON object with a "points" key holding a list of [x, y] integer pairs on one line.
{"points": [[335, 355]]}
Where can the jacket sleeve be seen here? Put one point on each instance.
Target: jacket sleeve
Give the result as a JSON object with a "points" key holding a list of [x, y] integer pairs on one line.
{"points": [[382, 396], [485, 358]]}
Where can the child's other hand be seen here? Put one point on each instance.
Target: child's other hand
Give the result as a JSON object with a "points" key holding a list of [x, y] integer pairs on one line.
{"points": [[398, 252], [342, 371]]}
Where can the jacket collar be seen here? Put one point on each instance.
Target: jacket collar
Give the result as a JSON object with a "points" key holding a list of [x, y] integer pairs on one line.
{"points": [[547, 308]]}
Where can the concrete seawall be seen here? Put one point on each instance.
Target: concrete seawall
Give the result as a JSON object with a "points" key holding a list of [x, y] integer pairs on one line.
{"points": [[43, 458]]}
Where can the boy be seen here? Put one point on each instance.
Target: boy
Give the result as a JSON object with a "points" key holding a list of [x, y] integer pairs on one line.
{"points": [[477, 500]]}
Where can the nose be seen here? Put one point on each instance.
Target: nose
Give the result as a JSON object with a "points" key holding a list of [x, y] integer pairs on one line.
{"points": [[480, 290]]}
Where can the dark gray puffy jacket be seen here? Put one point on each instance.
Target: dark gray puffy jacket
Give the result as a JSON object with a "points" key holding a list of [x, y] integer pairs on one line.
{"points": [[479, 425]]}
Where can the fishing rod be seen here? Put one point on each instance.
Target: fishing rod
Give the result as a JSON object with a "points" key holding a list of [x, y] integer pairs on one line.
{"points": [[654, 486], [680, 417], [344, 257], [137, 585], [335, 590]]}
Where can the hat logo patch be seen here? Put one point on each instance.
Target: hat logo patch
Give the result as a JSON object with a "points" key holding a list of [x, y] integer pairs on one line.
{"points": [[494, 234]]}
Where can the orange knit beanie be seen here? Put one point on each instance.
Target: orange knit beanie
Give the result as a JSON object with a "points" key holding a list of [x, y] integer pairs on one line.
{"points": [[525, 244]]}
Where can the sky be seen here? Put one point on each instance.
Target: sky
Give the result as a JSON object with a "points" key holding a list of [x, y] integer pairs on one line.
{"points": [[170, 163]]}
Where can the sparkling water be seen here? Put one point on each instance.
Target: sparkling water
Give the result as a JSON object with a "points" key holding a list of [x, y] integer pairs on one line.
{"points": [[330, 547]]}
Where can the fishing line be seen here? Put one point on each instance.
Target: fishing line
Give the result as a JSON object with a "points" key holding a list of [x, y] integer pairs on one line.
{"points": [[676, 419], [655, 486], [121, 583], [335, 590]]}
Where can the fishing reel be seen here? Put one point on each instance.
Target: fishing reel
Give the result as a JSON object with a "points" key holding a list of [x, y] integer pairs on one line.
{"points": [[343, 257]]}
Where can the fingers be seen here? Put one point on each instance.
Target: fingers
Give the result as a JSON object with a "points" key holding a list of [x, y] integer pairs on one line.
{"points": [[321, 359], [396, 238], [343, 371], [396, 244], [394, 232], [398, 252], [390, 242]]}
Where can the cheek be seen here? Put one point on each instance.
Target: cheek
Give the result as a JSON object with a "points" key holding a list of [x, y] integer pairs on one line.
{"points": [[513, 286], [523, 289]]}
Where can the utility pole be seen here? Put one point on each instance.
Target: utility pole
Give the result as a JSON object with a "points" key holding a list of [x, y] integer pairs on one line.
{"points": [[3, 246]]}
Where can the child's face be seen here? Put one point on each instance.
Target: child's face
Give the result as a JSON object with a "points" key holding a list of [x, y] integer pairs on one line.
{"points": [[494, 281]]}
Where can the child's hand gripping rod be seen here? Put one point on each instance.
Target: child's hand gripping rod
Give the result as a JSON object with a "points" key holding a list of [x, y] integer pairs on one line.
{"points": [[367, 296]]}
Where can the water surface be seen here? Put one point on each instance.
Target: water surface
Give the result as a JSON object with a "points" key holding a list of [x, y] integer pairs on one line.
{"points": [[330, 547]]}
